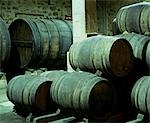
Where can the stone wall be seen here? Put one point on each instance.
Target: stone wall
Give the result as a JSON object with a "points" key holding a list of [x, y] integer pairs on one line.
{"points": [[106, 11], [11, 9]]}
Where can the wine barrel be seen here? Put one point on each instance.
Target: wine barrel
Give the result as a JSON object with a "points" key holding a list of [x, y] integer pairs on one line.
{"points": [[5, 44], [31, 93], [139, 44], [85, 94], [134, 18], [140, 94], [41, 42], [113, 56]]}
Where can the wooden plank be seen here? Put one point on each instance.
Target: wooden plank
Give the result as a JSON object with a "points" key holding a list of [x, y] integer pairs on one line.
{"points": [[91, 16]]}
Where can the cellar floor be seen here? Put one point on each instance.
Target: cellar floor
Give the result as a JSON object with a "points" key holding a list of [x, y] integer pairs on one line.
{"points": [[6, 107], [6, 110], [7, 115]]}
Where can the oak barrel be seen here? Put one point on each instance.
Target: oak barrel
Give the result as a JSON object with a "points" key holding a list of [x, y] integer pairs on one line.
{"points": [[41, 42], [85, 94], [111, 55], [31, 93], [134, 18]]}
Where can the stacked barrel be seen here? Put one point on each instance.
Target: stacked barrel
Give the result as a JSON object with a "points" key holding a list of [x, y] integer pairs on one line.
{"points": [[134, 18], [134, 21], [110, 57], [102, 53]]}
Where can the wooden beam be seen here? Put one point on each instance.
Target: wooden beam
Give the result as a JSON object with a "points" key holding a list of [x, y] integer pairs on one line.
{"points": [[91, 16]]}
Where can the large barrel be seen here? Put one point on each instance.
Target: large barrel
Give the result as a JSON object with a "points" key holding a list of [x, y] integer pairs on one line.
{"points": [[85, 94], [134, 18], [41, 42], [5, 44], [139, 44], [31, 93], [140, 94], [113, 56]]}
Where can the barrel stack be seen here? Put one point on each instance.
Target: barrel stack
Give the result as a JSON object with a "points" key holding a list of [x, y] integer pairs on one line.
{"points": [[134, 21], [84, 94], [110, 56], [107, 77]]}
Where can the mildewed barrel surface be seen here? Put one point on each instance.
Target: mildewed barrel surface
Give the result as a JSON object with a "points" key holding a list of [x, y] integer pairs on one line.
{"points": [[113, 56]]}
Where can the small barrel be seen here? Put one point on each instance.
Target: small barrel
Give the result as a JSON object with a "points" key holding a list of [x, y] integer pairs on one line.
{"points": [[31, 93], [134, 18], [5, 44], [139, 44], [113, 56], [41, 42], [85, 94], [140, 94]]}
